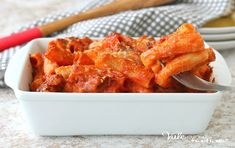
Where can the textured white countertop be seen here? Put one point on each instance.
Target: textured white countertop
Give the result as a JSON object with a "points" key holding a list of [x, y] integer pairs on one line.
{"points": [[14, 132]]}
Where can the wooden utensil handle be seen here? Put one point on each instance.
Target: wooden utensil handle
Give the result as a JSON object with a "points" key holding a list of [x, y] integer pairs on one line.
{"points": [[108, 9]]}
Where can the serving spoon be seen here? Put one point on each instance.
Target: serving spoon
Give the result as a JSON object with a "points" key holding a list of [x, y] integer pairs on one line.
{"points": [[190, 80]]}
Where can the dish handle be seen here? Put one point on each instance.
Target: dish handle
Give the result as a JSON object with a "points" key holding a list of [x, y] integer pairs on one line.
{"points": [[12, 74]]}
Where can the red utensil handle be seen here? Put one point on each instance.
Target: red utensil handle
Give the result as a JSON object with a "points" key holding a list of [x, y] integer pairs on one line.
{"points": [[19, 38]]}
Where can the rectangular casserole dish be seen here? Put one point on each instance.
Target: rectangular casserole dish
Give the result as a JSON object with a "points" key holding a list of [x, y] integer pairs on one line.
{"points": [[63, 114]]}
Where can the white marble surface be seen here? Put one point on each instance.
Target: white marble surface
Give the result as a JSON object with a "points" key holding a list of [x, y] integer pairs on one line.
{"points": [[14, 132]]}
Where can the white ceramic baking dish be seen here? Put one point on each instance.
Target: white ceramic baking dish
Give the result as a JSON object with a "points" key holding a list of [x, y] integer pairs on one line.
{"points": [[110, 113]]}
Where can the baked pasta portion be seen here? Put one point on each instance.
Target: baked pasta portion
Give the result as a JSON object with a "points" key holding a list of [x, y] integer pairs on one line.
{"points": [[119, 63]]}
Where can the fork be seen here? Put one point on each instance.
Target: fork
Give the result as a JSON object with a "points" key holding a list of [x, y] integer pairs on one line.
{"points": [[3, 67], [194, 82]]}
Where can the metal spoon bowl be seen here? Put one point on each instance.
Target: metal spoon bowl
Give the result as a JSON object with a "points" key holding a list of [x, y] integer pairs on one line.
{"points": [[194, 82]]}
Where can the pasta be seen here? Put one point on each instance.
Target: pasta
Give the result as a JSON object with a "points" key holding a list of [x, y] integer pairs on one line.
{"points": [[119, 63]]}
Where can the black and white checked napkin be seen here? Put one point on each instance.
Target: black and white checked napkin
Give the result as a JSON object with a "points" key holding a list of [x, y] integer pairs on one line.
{"points": [[156, 21]]}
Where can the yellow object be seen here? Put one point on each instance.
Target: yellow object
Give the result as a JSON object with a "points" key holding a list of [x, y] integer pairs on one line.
{"points": [[224, 21]]}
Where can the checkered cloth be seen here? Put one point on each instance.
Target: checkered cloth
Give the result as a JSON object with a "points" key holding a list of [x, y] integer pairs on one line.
{"points": [[156, 21]]}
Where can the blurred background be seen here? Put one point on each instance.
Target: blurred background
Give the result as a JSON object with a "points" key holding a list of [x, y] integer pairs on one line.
{"points": [[18, 15], [14, 13]]}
